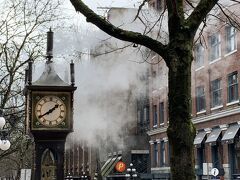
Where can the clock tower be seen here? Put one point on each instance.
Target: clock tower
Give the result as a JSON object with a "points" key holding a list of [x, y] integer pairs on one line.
{"points": [[49, 117]]}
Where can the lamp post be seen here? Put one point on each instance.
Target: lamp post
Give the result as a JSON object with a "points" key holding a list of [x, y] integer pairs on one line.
{"points": [[4, 143], [84, 176], [69, 176], [131, 172], [96, 176]]}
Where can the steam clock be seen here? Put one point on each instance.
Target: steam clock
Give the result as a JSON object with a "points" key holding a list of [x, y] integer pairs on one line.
{"points": [[49, 117]]}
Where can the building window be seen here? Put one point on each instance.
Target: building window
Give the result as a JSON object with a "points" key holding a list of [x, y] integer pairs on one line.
{"points": [[233, 87], [161, 112], [155, 154], [216, 93], [237, 158], [200, 159], [214, 42], [200, 99], [155, 115], [139, 116], [199, 56], [215, 159], [230, 39], [169, 153], [234, 157], [146, 116], [162, 154]]}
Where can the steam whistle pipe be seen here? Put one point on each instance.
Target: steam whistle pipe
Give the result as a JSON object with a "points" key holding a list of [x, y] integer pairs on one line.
{"points": [[49, 54], [30, 72], [72, 73]]}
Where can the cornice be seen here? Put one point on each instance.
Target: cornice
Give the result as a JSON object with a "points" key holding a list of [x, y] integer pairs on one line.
{"points": [[201, 119]]}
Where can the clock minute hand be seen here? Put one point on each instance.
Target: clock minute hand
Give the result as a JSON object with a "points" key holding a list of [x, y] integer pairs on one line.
{"points": [[49, 111]]}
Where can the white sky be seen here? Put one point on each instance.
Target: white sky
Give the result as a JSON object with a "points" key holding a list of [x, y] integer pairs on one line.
{"points": [[110, 3], [95, 4]]}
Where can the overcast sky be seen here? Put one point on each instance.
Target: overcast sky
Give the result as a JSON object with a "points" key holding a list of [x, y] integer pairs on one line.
{"points": [[96, 4], [110, 3]]}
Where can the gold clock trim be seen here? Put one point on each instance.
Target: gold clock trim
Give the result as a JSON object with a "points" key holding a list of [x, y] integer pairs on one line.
{"points": [[65, 124], [50, 110]]}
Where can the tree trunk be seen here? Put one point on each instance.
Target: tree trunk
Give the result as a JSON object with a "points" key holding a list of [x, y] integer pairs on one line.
{"points": [[181, 131]]}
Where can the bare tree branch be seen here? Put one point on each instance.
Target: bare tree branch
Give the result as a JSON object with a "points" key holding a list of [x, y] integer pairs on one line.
{"points": [[200, 12], [112, 30], [139, 9]]}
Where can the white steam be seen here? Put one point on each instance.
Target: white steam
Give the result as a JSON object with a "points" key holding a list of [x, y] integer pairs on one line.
{"points": [[108, 84]]}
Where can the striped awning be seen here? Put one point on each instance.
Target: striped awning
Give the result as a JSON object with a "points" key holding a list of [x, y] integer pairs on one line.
{"points": [[200, 138], [214, 136], [231, 133], [109, 165]]}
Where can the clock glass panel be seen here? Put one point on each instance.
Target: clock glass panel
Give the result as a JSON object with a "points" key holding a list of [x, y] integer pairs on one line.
{"points": [[50, 110]]}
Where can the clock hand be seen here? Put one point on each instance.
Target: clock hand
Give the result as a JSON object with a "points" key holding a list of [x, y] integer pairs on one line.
{"points": [[49, 111]]}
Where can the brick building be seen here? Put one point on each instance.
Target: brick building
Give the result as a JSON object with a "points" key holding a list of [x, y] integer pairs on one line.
{"points": [[215, 106]]}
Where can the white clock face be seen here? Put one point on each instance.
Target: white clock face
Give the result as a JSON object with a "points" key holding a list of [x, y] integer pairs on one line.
{"points": [[50, 111]]}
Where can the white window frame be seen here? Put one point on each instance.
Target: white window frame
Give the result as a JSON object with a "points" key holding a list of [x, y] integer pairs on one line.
{"points": [[232, 40], [199, 56], [219, 90], [230, 86], [198, 97], [212, 47]]}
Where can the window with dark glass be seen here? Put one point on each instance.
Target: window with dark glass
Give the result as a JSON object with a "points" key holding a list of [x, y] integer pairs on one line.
{"points": [[147, 113], [216, 93], [230, 39], [169, 152], [162, 154], [215, 158], [154, 115], [139, 116], [200, 99], [237, 158], [233, 87], [214, 42], [155, 154], [199, 56], [146, 116], [140, 162], [200, 159], [161, 112], [234, 157]]}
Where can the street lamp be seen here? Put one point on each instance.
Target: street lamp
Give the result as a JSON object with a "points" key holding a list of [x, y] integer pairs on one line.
{"points": [[95, 176], [131, 172], [4, 143], [69, 177], [84, 176]]}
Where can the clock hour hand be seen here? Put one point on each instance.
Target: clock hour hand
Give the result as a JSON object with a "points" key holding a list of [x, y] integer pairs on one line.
{"points": [[49, 111]]}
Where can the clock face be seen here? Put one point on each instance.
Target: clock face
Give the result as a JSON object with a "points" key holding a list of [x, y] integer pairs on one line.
{"points": [[50, 110]]}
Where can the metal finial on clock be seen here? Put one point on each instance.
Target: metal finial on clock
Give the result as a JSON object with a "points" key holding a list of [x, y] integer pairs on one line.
{"points": [[49, 54]]}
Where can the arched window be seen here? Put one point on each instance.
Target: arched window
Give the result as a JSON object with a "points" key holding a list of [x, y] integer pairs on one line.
{"points": [[48, 165]]}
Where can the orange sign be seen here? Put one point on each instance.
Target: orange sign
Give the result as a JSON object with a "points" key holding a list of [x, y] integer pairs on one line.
{"points": [[120, 166]]}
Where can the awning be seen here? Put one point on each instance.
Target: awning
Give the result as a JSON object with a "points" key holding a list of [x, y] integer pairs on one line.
{"points": [[200, 137], [109, 165], [106, 164], [214, 136], [230, 134]]}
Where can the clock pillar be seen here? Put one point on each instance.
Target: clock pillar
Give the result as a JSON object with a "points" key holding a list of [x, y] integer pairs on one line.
{"points": [[49, 117]]}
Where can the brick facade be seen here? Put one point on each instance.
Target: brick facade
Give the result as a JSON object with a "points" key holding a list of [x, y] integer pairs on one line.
{"points": [[213, 115]]}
